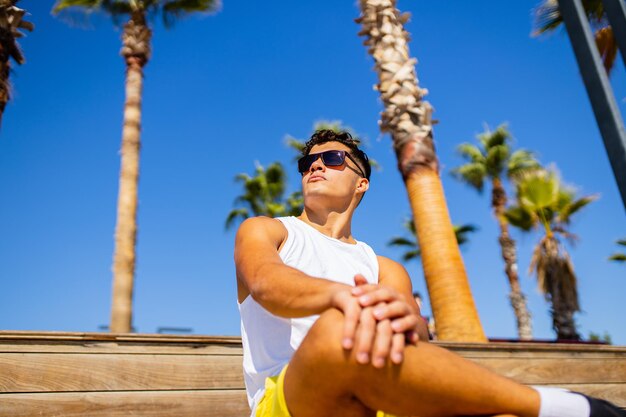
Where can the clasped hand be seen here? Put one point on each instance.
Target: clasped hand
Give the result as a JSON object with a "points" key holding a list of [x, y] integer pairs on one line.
{"points": [[379, 322]]}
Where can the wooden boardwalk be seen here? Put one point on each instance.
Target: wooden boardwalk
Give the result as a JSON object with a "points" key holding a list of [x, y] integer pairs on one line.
{"points": [[104, 374]]}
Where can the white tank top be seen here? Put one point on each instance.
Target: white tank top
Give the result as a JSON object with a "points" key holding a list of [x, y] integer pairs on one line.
{"points": [[270, 341]]}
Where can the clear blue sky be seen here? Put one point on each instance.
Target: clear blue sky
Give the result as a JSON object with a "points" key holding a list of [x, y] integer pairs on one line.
{"points": [[221, 92]]}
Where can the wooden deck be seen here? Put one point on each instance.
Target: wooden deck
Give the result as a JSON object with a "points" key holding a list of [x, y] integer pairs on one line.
{"points": [[104, 374]]}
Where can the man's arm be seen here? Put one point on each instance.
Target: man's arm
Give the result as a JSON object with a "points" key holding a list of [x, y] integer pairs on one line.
{"points": [[395, 275], [395, 290], [279, 288]]}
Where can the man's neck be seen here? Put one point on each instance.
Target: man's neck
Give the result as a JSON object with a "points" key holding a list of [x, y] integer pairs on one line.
{"points": [[333, 224]]}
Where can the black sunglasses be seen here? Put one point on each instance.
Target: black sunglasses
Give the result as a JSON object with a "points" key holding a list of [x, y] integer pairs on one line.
{"points": [[329, 158]]}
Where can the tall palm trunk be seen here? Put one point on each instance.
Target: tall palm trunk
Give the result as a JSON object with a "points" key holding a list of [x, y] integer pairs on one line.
{"points": [[5, 69], [408, 119], [559, 283], [136, 51], [509, 254]]}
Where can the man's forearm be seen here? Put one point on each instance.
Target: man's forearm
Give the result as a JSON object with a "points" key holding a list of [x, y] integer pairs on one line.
{"points": [[288, 292]]}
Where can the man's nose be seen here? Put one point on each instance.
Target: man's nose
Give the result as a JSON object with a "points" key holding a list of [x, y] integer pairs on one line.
{"points": [[317, 165]]}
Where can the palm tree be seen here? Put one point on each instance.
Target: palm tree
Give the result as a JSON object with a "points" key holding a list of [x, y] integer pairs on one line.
{"points": [[543, 202], [411, 244], [263, 195], [548, 18], [11, 21], [492, 159], [334, 125], [619, 257], [136, 51], [408, 118]]}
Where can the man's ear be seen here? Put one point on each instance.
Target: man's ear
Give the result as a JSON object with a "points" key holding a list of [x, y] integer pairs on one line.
{"points": [[363, 185]]}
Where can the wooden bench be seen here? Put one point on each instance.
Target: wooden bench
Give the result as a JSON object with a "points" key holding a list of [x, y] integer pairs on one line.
{"points": [[103, 374]]}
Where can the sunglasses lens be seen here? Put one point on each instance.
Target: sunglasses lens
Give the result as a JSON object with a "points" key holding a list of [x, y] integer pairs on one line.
{"points": [[305, 162], [333, 158], [330, 159]]}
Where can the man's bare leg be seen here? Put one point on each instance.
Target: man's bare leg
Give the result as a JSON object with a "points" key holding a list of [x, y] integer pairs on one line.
{"points": [[325, 380]]}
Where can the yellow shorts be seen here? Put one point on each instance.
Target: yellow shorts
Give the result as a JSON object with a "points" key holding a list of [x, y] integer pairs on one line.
{"points": [[273, 403]]}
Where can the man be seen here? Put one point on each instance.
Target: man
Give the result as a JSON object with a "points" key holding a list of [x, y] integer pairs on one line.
{"points": [[331, 329]]}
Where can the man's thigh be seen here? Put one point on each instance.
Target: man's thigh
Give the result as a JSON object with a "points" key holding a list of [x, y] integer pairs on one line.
{"points": [[319, 379]]}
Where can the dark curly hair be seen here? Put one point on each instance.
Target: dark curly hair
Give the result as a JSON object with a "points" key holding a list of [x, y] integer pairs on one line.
{"points": [[343, 137]]}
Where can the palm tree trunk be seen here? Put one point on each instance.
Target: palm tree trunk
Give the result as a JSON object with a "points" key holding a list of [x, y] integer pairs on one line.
{"points": [[408, 118], [4, 80], [509, 254], [126, 228], [135, 33], [453, 307], [560, 286]]}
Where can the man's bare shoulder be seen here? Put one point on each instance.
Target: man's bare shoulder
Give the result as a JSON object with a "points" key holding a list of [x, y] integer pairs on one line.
{"points": [[262, 227], [394, 274], [389, 266]]}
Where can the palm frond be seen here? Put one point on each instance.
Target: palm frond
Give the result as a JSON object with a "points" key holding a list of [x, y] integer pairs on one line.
{"points": [[401, 241], [461, 232], [548, 17], [619, 257], [498, 137], [413, 254], [79, 4], [11, 21], [334, 125], [496, 160], [568, 210], [471, 173], [118, 8], [175, 9], [409, 225], [263, 194], [521, 161], [296, 144], [538, 190], [519, 217], [234, 214], [470, 152]]}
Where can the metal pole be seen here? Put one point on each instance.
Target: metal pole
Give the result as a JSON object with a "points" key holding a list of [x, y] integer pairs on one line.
{"points": [[616, 12], [598, 88]]}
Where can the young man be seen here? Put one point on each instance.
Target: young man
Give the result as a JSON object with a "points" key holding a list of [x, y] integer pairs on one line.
{"points": [[331, 329]]}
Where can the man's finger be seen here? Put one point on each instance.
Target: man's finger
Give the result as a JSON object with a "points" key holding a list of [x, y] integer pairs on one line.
{"points": [[382, 343], [351, 314], [381, 294], [412, 337], [363, 288], [404, 324], [365, 336], [397, 348], [391, 310], [359, 279]]}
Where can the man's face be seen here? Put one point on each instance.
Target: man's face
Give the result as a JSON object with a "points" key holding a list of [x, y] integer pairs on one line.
{"points": [[340, 182]]}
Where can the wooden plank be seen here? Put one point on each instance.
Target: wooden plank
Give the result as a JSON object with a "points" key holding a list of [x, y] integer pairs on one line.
{"points": [[120, 337], [122, 404], [104, 372], [558, 371], [181, 403], [118, 348]]}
